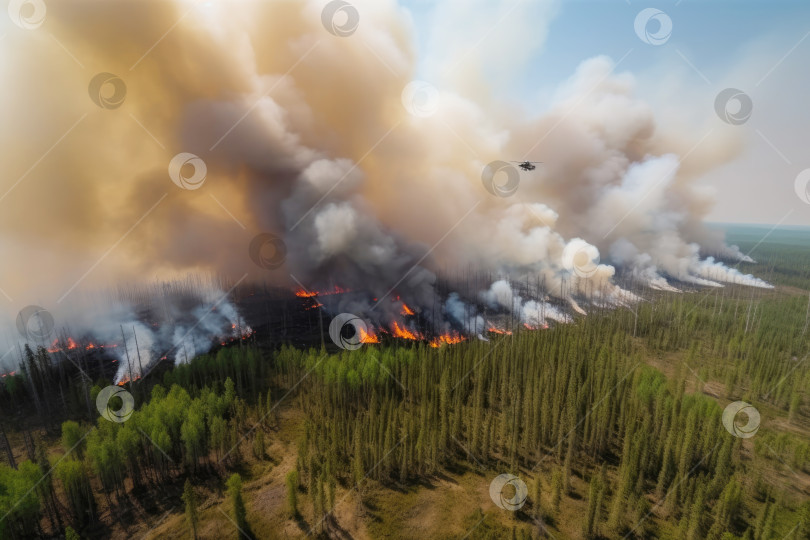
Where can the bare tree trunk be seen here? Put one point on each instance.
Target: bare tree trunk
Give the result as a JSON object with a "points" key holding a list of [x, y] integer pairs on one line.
{"points": [[29, 445], [126, 351], [7, 446]]}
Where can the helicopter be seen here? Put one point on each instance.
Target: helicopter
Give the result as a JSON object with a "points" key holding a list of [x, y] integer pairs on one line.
{"points": [[527, 165]]}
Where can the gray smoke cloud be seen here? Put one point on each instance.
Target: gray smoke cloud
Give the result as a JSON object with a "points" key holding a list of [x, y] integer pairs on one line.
{"points": [[175, 321]]}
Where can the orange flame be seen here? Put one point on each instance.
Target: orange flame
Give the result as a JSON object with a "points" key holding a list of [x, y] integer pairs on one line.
{"points": [[495, 330], [72, 344], [368, 337], [528, 326], [241, 332], [406, 310], [404, 333], [303, 293], [449, 339]]}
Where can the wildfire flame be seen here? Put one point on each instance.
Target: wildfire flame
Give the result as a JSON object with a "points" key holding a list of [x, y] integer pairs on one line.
{"points": [[368, 337], [303, 293], [449, 339], [397, 329], [532, 327], [245, 331], [71, 344], [496, 330], [404, 333]]}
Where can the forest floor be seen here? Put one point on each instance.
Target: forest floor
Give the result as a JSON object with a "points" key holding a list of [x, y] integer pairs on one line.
{"points": [[454, 503]]}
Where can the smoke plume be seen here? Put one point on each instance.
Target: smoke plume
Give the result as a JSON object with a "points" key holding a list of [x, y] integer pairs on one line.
{"points": [[321, 140]]}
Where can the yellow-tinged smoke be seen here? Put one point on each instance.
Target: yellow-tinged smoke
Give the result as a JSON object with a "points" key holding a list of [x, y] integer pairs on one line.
{"points": [[322, 140]]}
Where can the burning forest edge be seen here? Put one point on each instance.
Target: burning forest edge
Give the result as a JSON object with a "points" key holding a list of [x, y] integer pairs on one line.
{"points": [[140, 327]]}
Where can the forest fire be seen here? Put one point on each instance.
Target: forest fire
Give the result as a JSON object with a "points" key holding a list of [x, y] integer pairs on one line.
{"points": [[496, 330], [303, 293], [534, 327], [313, 295], [447, 339], [368, 337], [238, 333], [244, 331], [402, 320], [404, 333], [410, 324], [398, 329], [401, 332], [71, 344]]}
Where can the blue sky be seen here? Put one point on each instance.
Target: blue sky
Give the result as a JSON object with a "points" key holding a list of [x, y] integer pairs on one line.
{"points": [[717, 32], [762, 48]]}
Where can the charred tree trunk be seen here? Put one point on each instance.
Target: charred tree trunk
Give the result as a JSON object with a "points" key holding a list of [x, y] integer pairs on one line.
{"points": [[7, 447]]}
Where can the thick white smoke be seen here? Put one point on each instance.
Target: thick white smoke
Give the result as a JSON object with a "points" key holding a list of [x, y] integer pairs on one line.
{"points": [[168, 320], [535, 313], [135, 352], [214, 320]]}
